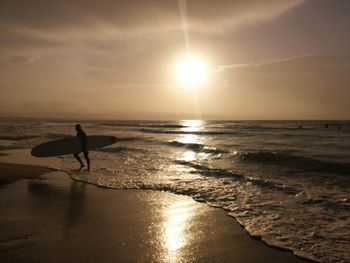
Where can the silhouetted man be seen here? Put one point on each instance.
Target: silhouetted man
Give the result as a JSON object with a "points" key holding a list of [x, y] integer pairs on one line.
{"points": [[82, 135]]}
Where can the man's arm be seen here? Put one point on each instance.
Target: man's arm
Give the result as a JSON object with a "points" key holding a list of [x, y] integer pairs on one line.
{"points": [[83, 138]]}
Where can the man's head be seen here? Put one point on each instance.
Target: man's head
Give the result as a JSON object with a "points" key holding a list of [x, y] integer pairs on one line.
{"points": [[77, 127]]}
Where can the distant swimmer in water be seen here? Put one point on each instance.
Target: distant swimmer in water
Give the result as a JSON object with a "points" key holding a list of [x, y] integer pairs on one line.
{"points": [[82, 135]]}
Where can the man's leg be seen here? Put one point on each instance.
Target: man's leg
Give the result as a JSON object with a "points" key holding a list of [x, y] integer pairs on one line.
{"points": [[76, 155], [86, 155]]}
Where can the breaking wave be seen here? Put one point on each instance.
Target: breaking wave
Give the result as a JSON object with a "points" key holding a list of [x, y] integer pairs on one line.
{"points": [[294, 161], [197, 147], [217, 172], [120, 149]]}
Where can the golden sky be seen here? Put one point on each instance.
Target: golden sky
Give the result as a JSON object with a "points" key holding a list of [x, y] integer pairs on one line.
{"points": [[271, 59]]}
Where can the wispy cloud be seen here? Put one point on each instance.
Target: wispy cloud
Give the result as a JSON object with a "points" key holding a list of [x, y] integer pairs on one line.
{"points": [[46, 22], [306, 86]]}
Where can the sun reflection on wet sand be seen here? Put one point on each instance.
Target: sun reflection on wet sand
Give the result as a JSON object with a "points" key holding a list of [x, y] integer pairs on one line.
{"points": [[177, 221]]}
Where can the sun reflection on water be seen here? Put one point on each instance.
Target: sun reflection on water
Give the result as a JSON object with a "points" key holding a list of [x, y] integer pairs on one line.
{"points": [[188, 156], [192, 140], [188, 138], [192, 125]]}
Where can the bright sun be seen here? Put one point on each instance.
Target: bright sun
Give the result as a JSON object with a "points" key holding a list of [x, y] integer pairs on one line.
{"points": [[191, 72]]}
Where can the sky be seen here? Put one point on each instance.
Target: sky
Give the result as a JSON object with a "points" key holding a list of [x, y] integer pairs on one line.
{"points": [[271, 59]]}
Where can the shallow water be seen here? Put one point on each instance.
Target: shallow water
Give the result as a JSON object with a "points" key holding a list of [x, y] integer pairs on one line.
{"points": [[286, 184]]}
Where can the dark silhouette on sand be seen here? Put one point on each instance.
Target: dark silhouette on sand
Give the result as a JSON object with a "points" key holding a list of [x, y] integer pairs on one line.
{"points": [[82, 135]]}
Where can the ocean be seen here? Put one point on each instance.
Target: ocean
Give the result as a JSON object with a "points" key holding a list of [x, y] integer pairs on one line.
{"points": [[286, 182]]}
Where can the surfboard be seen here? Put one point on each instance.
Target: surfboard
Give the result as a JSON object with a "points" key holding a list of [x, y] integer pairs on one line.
{"points": [[71, 145]]}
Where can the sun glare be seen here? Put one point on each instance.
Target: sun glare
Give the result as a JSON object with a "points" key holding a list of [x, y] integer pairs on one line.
{"points": [[191, 72]]}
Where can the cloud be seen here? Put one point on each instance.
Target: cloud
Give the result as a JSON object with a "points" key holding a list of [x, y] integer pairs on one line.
{"points": [[300, 87], [50, 21], [101, 33], [18, 59], [129, 14], [307, 65], [112, 54]]}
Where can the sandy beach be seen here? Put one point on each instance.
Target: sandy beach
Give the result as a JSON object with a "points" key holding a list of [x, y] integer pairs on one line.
{"points": [[51, 218]]}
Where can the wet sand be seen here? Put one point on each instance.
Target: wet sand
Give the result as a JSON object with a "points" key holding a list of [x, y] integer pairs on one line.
{"points": [[56, 219], [12, 172]]}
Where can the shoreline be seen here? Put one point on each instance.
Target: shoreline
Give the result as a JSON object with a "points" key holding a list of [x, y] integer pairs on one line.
{"points": [[224, 239]]}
